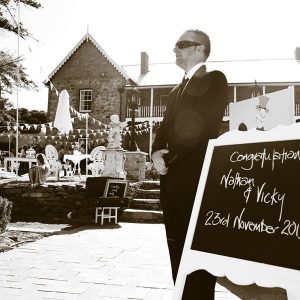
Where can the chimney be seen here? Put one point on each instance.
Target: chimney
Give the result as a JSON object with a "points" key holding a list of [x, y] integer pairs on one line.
{"points": [[297, 53], [144, 63]]}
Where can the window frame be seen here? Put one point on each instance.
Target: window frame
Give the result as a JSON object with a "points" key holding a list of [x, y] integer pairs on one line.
{"points": [[83, 102]]}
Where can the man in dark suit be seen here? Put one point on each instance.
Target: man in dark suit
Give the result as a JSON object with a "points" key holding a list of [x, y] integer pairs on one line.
{"points": [[194, 114]]}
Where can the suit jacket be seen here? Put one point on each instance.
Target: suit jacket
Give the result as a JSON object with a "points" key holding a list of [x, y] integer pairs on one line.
{"points": [[192, 118]]}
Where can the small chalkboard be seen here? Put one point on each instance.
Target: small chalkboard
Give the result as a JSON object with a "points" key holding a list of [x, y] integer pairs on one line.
{"points": [[245, 222], [115, 188]]}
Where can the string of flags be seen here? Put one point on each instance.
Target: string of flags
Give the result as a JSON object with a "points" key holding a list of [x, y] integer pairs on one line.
{"points": [[95, 134], [12, 126], [82, 116], [53, 87]]}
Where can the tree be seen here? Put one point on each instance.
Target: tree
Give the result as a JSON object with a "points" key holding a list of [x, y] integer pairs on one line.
{"points": [[11, 70], [5, 107], [12, 73], [8, 9]]}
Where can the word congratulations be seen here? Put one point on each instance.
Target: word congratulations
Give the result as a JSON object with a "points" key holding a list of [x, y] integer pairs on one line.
{"points": [[262, 157]]}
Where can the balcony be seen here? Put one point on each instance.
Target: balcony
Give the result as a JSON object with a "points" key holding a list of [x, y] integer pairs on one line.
{"points": [[143, 113]]}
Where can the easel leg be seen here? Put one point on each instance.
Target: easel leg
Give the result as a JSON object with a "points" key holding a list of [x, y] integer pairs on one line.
{"points": [[179, 286], [293, 293]]}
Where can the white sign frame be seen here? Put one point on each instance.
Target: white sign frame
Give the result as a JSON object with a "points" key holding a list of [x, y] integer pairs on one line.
{"points": [[280, 107], [239, 271]]}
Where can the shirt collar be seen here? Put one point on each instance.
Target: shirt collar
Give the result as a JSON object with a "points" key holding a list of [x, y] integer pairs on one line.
{"points": [[193, 70]]}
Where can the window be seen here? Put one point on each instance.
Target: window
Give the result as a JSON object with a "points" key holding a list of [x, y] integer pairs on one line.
{"points": [[85, 104]]}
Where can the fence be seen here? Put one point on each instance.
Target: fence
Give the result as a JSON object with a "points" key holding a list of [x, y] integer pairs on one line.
{"points": [[158, 111], [144, 111]]}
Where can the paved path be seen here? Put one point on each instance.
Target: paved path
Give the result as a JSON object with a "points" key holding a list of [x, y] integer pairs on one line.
{"points": [[124, 261]]}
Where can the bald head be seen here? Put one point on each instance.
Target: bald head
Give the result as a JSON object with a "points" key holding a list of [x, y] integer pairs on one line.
{"points": [[201, 38], [192, 47]]}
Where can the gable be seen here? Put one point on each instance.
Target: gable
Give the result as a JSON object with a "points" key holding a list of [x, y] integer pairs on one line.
{"points": [[88, 40]]}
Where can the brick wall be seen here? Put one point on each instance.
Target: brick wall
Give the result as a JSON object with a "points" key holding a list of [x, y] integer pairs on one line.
{"points": [[87, 68], [135, 165]]}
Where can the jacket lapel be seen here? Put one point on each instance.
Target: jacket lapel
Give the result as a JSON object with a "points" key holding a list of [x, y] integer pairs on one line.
{"points": [[192, 87]]}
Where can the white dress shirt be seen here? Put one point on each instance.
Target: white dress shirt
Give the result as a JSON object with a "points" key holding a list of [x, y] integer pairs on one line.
{"points": [[193, 70]]}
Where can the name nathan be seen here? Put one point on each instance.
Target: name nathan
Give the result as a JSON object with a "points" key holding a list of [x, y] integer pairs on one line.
{"points": [[231, 180]]}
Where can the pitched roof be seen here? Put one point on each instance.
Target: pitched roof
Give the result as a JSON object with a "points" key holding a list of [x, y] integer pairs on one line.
{"points": [[237, 72], [88, 37]]}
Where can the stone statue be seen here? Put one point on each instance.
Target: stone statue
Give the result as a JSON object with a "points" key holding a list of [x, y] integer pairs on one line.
{"points": [[261, 112], [115, 135]]}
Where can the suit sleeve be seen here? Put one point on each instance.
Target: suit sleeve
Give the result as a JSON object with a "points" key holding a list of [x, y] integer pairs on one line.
{"points": [[218, 105], [160, 141]]}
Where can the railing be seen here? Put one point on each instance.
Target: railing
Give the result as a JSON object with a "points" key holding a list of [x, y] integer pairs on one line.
{"points": [[297, 109], [226, 114], [158, 111], [144, 111]]}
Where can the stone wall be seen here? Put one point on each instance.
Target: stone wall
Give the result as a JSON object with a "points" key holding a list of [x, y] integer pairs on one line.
{"points": [[52, 203], [88, 68], [135, 165]]}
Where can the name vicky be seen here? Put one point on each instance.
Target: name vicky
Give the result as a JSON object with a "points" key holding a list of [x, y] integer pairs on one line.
{"points": [[262, 196]]}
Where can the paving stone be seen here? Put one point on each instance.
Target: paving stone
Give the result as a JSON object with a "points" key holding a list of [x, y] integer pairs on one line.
{"points": [[138, 293], [128, 261]]}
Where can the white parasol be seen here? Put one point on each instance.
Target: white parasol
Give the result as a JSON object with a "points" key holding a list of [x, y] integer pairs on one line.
{"points": [[62, 119]]}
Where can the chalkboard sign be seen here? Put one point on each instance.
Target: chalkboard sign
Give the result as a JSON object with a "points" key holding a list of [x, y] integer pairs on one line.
{"points": [[115, 188], [245, 222], [252, 201]]}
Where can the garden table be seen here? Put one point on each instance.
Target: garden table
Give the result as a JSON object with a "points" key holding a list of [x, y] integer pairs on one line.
{"points": [[76, 158], [17, 160]]}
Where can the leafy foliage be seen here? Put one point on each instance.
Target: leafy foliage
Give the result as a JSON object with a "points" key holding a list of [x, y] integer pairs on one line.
{"points": [[31, 116], [12, 72], [133, 188], [5, 213], [8, 11], [25, 116], [5, 107], [150, 172]]}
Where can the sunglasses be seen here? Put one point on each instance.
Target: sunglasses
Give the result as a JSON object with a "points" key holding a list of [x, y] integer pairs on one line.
{"points": [[186, 44]]}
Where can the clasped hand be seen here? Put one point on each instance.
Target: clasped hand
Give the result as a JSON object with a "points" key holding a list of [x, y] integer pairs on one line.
{"points": [[159, 162]]}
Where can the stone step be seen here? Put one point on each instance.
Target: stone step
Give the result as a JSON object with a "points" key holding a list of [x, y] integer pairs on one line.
{"points": [[150, 185], [146, 204], [138, 215], [147, 194]]}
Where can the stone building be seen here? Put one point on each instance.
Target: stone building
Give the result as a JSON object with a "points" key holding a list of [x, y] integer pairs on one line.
{"points": [[92, 79]]}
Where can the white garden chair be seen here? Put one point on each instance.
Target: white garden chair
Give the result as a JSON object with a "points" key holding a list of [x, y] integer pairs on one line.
{"points": [[14, 166], [52, 158], [97, 164]]}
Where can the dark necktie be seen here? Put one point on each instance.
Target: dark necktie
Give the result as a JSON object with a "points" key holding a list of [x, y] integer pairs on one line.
{"points": [[183, 83], [181, 88]]}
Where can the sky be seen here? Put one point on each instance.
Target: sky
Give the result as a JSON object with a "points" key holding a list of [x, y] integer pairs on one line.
{"points": [[256, 29]]}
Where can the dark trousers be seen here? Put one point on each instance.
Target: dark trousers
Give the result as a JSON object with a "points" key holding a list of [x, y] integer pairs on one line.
{"points": [[199, 285]]}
